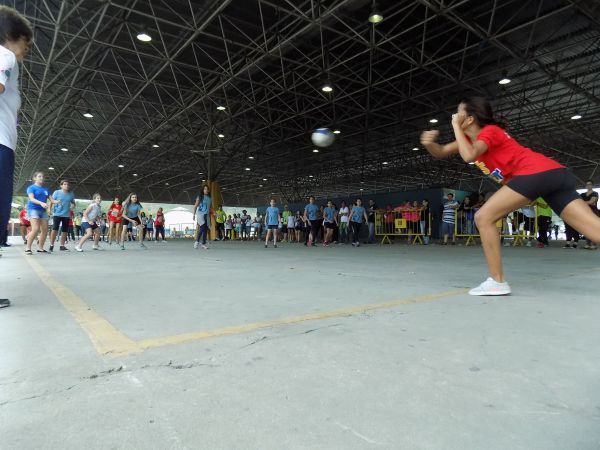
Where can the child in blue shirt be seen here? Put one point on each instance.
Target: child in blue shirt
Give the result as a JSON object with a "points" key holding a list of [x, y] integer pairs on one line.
{"points": [[272, 218], [356, 218], [329, 222]]}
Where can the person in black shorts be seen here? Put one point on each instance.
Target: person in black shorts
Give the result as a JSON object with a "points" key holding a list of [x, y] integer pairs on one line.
{"points": [[524, 176], [62, 214]]}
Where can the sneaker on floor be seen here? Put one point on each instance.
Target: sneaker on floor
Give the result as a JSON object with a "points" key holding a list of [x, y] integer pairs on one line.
{"points": [[275, 246], [266, 246], [62, 248], [142, 246], [204, 247], [51, 248], [122, 247], [4, 302], [567, 246], [96, 247], [196, 244], [78, 248], [491, 287]]}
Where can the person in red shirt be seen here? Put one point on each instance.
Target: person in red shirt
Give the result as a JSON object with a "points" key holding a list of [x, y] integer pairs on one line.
{"points": [[159, 225], [25, 225], [115, 214], [524, 174]]}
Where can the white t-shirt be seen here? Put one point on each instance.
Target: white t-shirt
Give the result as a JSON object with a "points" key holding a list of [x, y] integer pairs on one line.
{"points": [[344, 210], [10, 100], [291, 221], [92, 214]]}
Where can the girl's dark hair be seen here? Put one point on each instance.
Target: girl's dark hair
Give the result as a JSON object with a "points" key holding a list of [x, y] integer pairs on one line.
{"points": [[13, 26], [127, 201], [481, 109]]}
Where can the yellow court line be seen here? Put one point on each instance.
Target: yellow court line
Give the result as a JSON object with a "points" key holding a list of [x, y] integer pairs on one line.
{"points": [[200, 335], [105, 337]]}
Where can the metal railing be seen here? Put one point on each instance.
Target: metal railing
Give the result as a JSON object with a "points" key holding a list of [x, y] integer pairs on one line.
{"points": [[410, 223]]}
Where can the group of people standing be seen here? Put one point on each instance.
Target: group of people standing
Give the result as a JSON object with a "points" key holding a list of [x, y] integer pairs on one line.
{"points": [[120, 220]]}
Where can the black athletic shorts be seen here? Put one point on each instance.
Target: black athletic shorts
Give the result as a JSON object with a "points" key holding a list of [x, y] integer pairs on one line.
{"points": [[284, 229], [556, 186], [272, 227], [58, 221], [329, 225], [128, 224]]}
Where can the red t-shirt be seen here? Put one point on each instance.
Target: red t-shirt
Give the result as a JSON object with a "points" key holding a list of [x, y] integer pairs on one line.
{"points": [[23, 217], [115, 212], [505, 158], [160, 220]]}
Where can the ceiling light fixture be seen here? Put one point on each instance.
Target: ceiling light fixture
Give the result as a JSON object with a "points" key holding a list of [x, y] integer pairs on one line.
{"points": [[375, 16], [247, 168], [310, 176], [264, 179], [144, 37], [576, 117], [433, 121], [250, 157], [336, 131], [88, 115], [50, 168], [155, 145], [327, 86], [166, 184], [504, 81], [64, 149], [260, 185], [221, 135], [221, 108], [385, 163], [135, 174], [415, 149], [316, 150]]}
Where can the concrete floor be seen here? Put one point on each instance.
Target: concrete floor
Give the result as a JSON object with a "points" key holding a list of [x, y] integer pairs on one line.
{"points": [[435, 369]]}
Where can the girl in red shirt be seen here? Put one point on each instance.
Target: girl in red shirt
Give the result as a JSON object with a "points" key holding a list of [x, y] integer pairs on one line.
{"points": [[524, 174], [115, 214]]}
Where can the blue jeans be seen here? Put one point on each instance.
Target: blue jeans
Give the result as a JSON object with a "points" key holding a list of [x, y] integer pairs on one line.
{"points": [[7, 171], [371, 233], [202, 232]]}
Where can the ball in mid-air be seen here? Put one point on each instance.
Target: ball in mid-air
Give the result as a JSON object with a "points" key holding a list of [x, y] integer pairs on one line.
{"points": [[323, 137]]}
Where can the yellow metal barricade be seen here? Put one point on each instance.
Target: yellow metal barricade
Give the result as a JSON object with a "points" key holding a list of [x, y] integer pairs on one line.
{"points": [[522, 227], [408, 223]]}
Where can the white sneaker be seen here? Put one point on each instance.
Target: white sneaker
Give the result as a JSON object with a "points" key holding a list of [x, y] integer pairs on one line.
{"points": [[195, 245], [78, 248], [205, 247], [491, 287], [96, 247]]}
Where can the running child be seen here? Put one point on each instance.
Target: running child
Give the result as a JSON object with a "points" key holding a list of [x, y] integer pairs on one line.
{"points": [[37, 210], [62, 214], [310, 216], [132, 209], [357, 214], [524, 174], [115, 216], [291, 227], [329, 222], [89, 224], [201, 216], [272, 218]]}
